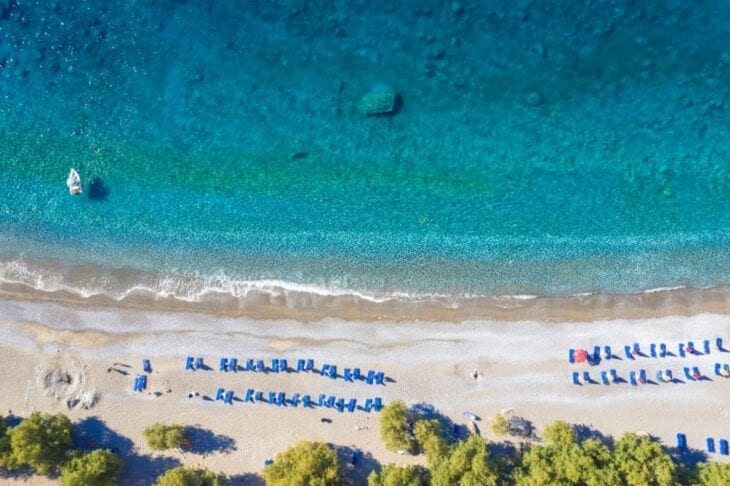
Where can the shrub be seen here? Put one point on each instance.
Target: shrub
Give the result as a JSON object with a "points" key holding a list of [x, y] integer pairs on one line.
{"points": [[429, 437], [161, 436], [97, 468], [188, 476], [41, 442], [306, 463], [714, 474], [395, 427], [392, 475], [642, 461], [467, 463], [499, 425]]}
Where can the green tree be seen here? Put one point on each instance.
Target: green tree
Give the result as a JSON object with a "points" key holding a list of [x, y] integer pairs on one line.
{"points": [[499, 425], [467, 464], [714, 474], [392, 475], [643, 462], [304, 464], [41, 441], [559, 433], [188, 476], [97, 468], [429, 436], [395, 427], [4, 443], [162, 436]]}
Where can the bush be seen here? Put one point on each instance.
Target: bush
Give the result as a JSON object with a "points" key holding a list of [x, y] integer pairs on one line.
{"points": [[41, 442], [4, 444], [429, 437], [306, 463], [395, 427], [467, 463], [188, 476], [97, 468], [392, 475], [642, 461], [499, 425], [160, 436], [714, 474]]}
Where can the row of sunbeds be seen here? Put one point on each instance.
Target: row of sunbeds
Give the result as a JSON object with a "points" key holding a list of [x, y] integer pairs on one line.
{"points": [[631, 352], [710, 441], [280, 399], [640, 377], [280, 365]]}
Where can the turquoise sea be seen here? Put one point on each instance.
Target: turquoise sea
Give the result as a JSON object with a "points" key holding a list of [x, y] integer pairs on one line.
{"points": [[535, 148]]}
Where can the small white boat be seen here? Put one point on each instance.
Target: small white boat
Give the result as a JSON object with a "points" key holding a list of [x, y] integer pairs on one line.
{"points": [[74, 183]]}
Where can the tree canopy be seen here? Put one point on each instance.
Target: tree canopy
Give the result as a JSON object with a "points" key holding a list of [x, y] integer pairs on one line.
{"points": [[305, 464], [395, 426], [41, 442], [642, 461], [97, 468], [466, 464], [714, 474], [392, 475], [162, 436], [188, 476], [429, 436]]}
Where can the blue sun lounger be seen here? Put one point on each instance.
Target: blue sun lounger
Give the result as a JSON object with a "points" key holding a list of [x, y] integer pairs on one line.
{"points": [[681, 442], [637, 350], [724, 449], [351, 405], [642, 376], [146, 366], [340, 405], [322, 401], [607, 352], [659, 376], [668, 373], [696, 372], [587, 377], [706, 346], [691, 347], [576, 378], [142, 382], [260, 366], [272, 398], [604, 378], [627, 352], [347, 374], [379, 378], [137, 385], [331, 401], [687, 374], [300, 365], [219, 393], [306, 401], [370, 377], [233, 364], [249, 395], [614, 376], [632, 378], [325, 369], [680, 350], [356, 374], [275, 365], [571, 356], [281, 399], [652, 350], [189, 363], [199, 363], [718, 343], [223, 366], [378, 404], [294, 400], [259, 396], [662, 350], [283, 365], [332, 373], [596, 353], [249, 365], [368, 405], [710, 445], [228, 398], [726, 368], [718, 367], [309, 366]]}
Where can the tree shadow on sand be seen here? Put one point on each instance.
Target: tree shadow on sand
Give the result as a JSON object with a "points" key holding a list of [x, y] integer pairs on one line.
{"points": [[356, 465], [204, 441], [246, 479]]}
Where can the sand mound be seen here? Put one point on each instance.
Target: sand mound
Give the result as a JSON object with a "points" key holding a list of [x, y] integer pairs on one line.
{"points": [[68, 384]]}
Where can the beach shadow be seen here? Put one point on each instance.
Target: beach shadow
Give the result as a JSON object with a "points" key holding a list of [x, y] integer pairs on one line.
{"points": [[357, 465], [93, 433], [204, 441], [583, 432], [140, 469], [97, 190], [246, 479], [688, 458], [388, 379], [449, 429], [25, 474]]}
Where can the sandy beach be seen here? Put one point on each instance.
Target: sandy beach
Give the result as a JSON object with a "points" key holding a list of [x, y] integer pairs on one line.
{"points": [[56, 352]]}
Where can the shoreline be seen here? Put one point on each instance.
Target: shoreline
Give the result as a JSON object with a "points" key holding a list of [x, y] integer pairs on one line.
{"points": [[306, 306]]}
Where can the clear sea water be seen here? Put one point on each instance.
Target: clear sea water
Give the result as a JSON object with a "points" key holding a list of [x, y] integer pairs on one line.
{"points": [[541, 148]]}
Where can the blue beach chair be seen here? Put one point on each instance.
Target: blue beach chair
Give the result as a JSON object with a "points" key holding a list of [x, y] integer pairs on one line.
{"points": [[370, 377], [662, 350], [596, 353], [281, 399], [576, 378], [637, 350], [340, 405], [146, 366], [272, 397], [223, 366], [294, 400], [681, 442], [627, 352], [351, 405], [325, 369], [718, 344], [687, 374], [219, 393], [614, 376], [652, 350], [706, 346], [260, 366], [604, 378], [283, 365], [696, 372], [632, 378], [659, 376], [571, 356], [322, 401], [669, 376], [368, 405], [300, 365], [347, 374], [355, 457], [189, 363], [718, 367], [249, 365], [306, 400], [356, 374], [690, 347], [309, 365], [642, 376], [710, 445], [275, 365], [142, 382], [607, 352], [378, 404], [259, 396], [199, 363], [726, 369], [331, 401], [135, 385], [680, 350], [379, 378], [332, 372], [233, 364], [249, 395], [587, 377], [724, 449], [228, 398]]}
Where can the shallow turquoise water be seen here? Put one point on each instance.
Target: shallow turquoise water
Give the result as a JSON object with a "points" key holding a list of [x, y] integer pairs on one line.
{"points": [[584, 154]]}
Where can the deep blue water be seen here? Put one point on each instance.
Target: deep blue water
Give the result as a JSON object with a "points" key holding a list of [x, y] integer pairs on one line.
{"points": [[537, 148]]}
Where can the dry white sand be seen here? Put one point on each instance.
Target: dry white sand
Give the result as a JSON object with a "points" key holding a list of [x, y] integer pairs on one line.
{"points": [[53, 353]]}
